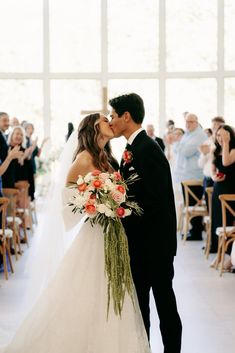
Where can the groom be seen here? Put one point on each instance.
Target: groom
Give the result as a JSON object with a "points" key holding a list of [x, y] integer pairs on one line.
{"points": [[152, 236]]}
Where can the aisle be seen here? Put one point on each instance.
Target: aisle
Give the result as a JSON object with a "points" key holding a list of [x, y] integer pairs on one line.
{"points": [[205, 302]]}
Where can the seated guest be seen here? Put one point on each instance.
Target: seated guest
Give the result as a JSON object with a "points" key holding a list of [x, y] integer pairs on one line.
{"points": [[21, 166], [173, 140], [150, 132], [224, 178], [186, 166], [208, 132], [35, 152], [206, 155], [13, 154], [8, 178]]}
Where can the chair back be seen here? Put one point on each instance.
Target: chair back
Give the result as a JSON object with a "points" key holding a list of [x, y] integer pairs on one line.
{"points": [[12, 195], [23, 197], [226, 200], [3, 210], [188, 192]]}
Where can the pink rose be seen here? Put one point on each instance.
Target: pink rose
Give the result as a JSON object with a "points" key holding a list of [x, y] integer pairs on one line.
{"points": [[118, 196], [117, 176]]}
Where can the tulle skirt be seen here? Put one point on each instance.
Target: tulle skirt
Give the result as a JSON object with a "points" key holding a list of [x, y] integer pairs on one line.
{"points": [[70, 315]]}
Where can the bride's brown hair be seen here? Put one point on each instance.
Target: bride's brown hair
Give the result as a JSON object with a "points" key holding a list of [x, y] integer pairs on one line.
{"points": [[88, 134]]}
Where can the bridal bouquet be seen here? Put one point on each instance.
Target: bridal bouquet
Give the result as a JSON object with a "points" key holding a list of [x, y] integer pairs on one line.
{"points": [[102, 197]]}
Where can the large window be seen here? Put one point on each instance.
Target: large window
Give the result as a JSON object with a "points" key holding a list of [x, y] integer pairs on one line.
{"points": [[60, 59]]}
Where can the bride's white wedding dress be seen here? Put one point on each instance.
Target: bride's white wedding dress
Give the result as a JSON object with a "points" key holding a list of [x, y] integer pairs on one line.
{"points": [[70, 315]]}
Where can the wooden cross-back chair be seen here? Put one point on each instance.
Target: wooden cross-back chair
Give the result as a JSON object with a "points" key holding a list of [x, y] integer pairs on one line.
{"points": [[4, 235], [226, 233], [22, 210], [198, 209], [13, 222], [207, 221]]}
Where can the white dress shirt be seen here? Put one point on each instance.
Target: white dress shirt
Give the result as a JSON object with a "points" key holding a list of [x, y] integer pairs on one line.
{"points": [[133, 136]]}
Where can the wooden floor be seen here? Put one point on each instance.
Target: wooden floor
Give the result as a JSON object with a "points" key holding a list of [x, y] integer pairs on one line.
{"points": [[206, 302]]}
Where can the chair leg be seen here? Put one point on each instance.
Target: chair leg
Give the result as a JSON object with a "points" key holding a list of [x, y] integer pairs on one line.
{"points": [[219, 252], [9, 257], [222, 259], [186, 227], [208, 242], [35, 215], [18, 241], [180, 220], [31, 220], [25, 235], [5, 262], [14, 239]]}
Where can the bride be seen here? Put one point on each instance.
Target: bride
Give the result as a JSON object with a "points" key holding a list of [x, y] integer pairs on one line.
{"points": [[70, 314]]}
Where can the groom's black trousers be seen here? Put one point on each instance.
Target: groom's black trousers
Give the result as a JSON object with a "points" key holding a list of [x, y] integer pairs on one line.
{"points": [[158, 275]]}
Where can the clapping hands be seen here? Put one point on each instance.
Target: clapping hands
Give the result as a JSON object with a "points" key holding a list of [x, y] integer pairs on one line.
{"points": [[15, 153], [204, 149]]}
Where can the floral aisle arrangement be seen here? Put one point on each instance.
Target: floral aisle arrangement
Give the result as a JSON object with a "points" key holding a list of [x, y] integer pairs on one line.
{"points": [[102, 197]]}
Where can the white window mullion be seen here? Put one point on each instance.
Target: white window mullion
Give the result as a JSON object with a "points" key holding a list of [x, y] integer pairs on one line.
{"points": [[162, 67], [46, 70], [220, 56], [104, 43]]}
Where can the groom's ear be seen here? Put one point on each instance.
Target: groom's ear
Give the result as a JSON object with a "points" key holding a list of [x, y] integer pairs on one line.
{"points": [[127, 117]]}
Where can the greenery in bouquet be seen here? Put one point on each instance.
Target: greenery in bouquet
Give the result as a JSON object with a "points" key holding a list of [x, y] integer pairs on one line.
{"points": [[102, 197]]}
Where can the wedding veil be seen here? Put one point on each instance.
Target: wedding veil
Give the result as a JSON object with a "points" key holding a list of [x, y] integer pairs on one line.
{"points": [[50, 243]]}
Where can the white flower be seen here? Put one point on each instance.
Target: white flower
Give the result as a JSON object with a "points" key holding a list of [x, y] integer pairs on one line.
{"points": [[79, 200], [101, 208], [127, 212], [109, 213], [109, 184], [88, 177], [80, 180]]}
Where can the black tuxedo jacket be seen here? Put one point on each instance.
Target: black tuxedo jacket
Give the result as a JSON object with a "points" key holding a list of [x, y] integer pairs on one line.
{"points": [[3, 148], [8, 178], [160, 142], [153, 234]]}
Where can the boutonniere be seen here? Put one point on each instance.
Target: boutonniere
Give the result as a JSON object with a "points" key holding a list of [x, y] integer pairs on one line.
{"points": [[127, 157]]}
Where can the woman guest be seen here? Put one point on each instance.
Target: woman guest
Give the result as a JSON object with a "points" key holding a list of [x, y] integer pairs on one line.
{"points": [[224, 178]]}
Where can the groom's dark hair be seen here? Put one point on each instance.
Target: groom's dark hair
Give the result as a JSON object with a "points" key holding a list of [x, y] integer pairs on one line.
{"points": [[131, 103]]}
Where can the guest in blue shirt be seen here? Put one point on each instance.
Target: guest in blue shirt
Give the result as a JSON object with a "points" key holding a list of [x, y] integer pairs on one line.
{"points": [[186, 165]]}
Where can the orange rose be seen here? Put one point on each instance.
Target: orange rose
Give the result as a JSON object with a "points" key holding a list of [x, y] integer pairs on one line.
{"points": [[97, 183], [90, 209], [121, 189], [82, 187]]}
